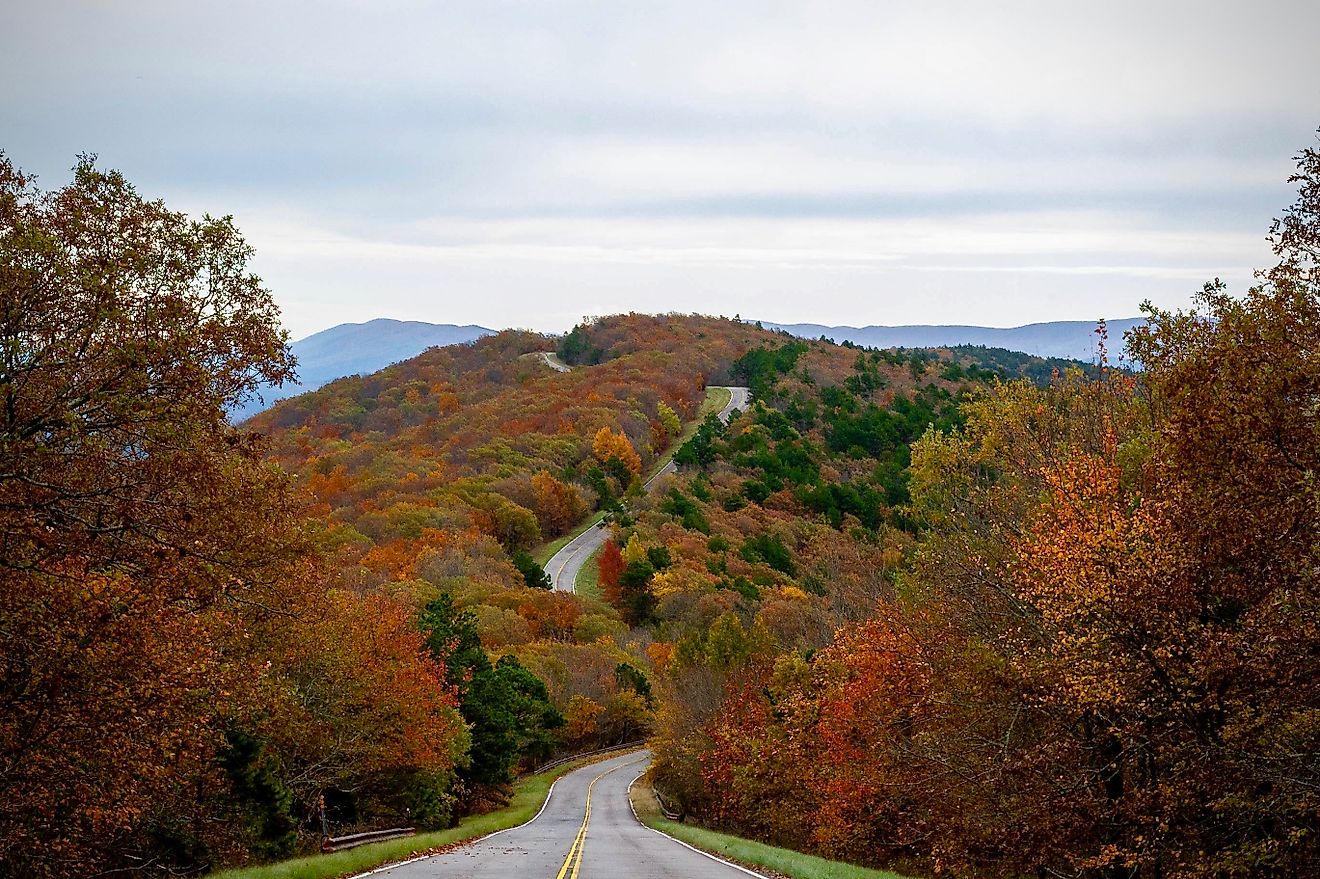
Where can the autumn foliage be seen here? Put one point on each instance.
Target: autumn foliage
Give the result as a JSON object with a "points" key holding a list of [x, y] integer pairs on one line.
{"points": [[908, 609], [1102, 662], [608, 444], [611, 566], [175, 686]]}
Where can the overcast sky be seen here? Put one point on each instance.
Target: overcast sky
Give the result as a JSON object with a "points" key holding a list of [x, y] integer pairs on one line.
{"points": [[525, 164]]}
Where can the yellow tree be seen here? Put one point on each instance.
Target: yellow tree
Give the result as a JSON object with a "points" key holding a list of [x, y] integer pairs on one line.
{"points": [[609, 444]]}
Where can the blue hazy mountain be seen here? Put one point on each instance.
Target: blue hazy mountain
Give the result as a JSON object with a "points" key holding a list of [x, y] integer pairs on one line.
{"points": [[1072, 339], [358, 349]]}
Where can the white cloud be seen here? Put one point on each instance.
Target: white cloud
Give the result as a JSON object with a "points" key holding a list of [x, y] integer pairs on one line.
{"points": [[546, 273], [845, 162]]}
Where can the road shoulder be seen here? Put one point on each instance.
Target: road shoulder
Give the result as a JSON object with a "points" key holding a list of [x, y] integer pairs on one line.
{"points": [[754, 858]]}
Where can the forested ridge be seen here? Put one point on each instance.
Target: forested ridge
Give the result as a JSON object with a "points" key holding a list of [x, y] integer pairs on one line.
{"points": [[953, 611], [1092, 645]]}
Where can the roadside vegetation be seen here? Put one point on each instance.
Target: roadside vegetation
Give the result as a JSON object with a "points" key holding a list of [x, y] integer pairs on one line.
{"points": [[527, 797], [958, 610], [748, 853], [1088, 609]]}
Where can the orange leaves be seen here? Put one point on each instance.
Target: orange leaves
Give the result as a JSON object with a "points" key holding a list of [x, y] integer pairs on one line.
{"points": [[550, 615], [660, 437], [581, 716], [761, 754], [364, 695], [608, 444], [446, 403], [398, 559], [328, 486], [660, 653], [1108, 578], [115, 698], [611, 565], [558, 506], [1076, 540]]}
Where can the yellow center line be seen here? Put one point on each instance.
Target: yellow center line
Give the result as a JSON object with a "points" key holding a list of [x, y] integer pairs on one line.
{"points": [[572, 555], [574, 860]]}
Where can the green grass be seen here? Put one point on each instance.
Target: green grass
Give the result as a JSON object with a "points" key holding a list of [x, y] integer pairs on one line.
{"points": [[528, 796], [546, 551], [588, 579], [745, 851]]}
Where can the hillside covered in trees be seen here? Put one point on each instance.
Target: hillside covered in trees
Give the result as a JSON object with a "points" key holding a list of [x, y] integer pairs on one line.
{"points": [[1090, 648], [950, 610], [436, 479]]}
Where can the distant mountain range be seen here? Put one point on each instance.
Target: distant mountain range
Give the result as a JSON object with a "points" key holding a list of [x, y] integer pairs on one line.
{"points": [[1072, 339], [353, 349]]}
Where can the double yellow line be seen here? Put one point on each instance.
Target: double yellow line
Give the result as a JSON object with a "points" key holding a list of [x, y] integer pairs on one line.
{"points": [[573, 863]]}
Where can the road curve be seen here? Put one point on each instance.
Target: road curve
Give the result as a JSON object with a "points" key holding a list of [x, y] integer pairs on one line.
{"points": [[587, 830], [564, 565], [549, 358], [552, 360]]}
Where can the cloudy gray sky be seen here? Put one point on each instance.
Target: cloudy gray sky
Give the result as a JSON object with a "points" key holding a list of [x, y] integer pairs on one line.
{"points": [[529, 163]]}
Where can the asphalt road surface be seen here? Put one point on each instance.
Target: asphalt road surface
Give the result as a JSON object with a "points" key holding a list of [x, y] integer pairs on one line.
{"points": [[587, 830], [564, 565], [552, 360]]}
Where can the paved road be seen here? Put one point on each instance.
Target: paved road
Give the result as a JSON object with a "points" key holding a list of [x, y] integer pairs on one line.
{"points": [[552, 360], [564, 565], [587, 830]]}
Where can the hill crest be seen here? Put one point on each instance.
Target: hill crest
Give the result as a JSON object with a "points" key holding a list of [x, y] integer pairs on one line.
{"points": [[1073, 339], [358, 349]]}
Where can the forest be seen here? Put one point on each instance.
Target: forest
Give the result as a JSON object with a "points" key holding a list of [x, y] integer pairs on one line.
{"points": [[948, 611]]}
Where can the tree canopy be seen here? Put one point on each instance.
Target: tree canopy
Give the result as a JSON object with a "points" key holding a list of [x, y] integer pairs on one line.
{"points": [[1101, 660], [167, 657]]}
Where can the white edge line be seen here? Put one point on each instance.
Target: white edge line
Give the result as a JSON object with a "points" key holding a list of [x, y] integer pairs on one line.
{"points": [[475, 839], [705, 854], [390, 867]]}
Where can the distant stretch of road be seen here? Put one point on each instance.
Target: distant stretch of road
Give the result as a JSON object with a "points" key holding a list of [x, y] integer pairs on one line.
{"points": [[564, 565], [587, 830], [552, 360], [549, 358]]}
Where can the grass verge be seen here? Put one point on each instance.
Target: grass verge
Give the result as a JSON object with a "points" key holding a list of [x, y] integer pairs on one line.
{"points": [[546, 551], [528, 795], [588, 579], [751, 854]]}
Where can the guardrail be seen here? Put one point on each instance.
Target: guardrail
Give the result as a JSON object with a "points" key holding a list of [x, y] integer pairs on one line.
{"points": [[338, 844], [571, 757], [671, 814]]}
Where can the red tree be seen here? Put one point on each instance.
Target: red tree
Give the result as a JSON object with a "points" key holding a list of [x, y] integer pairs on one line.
{"points": [[611, 565]]}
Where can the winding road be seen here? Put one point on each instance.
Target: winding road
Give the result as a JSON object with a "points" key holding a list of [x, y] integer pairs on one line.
{"points": [[552, 360], [564, 565], [586, 830]]}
